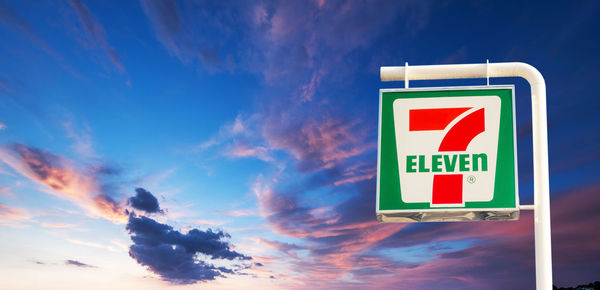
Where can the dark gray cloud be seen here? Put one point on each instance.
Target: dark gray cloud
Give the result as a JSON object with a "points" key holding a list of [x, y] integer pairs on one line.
{"points": [[78, 264], [144, 200], [174, 255]]}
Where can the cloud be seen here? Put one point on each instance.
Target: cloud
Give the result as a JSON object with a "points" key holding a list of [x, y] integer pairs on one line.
{"points": [[316, 144], [144, 200], [78, 264], [241, 149], [94, 245], [295, 39], [96, 32], [13, 216], [165, 18], [83, 140], [575, 219], [5, 190], [501, 251], [210, 223], [331, 157], [236, 213], [240, 138], [241, 127], [286, 248], [214, 42], [60, 177], [276, 39], [2, 126], [57, 225], [12, 18], [174, 256], [356, 172]]}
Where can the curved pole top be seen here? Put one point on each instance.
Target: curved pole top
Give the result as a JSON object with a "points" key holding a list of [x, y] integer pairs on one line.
{"points": [[461, 71]]}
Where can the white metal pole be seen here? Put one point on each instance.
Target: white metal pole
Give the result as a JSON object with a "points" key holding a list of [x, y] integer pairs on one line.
{"points": [[541, 185]]}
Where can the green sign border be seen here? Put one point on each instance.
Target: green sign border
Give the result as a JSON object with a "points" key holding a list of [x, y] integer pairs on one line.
{"points": [[389, 198]]}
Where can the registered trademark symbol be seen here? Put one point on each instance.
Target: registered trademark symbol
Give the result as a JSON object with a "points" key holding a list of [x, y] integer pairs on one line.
{"points": [[471, 179]]}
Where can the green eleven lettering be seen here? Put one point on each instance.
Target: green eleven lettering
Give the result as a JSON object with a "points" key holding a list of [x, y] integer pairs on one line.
{"points": [[446, 163]]}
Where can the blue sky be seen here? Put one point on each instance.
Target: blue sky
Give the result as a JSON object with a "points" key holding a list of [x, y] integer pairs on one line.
{"points": [[252, 126]]}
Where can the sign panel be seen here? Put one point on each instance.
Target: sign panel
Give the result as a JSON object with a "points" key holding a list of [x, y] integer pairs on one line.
{"points": [[447, 154]]}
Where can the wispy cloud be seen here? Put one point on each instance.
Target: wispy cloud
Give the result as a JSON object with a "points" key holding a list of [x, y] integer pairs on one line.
{"points": [[5, 190], [503, 251], [316, 144], [333, 151], [61, 178], [210, 223], [287, 248], [95, 245], [13, 19], [166, 20], [14, 216], [57, 225], [241, 149], [82, 138], [96, 32], [194, 42], [236, 213], [78, 264]]}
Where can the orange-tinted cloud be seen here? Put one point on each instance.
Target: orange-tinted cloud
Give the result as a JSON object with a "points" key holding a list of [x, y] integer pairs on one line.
{"points": [[61, 178]]}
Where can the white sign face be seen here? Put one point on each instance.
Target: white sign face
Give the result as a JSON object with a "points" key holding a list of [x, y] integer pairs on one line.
{"points": [[447, 149]]}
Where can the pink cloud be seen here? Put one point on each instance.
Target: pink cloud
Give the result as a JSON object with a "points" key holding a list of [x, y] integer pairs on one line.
{"points": [[317, 144], [308, 91], [287, 248], [240, 149], [237, 213], [575, 235], [57, 225], [343, 252], [352, 176], [13, 216], [6, 191], [61, 178]]}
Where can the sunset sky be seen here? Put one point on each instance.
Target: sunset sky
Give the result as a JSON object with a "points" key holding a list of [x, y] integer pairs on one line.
{"points": [[233, 144]]}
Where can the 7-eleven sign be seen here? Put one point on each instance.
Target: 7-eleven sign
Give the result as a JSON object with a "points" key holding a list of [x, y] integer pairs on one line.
{"points": [[447, 154]]}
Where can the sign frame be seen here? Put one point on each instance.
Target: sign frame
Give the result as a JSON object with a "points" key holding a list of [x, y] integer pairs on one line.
{"points": [[446, 213]]}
